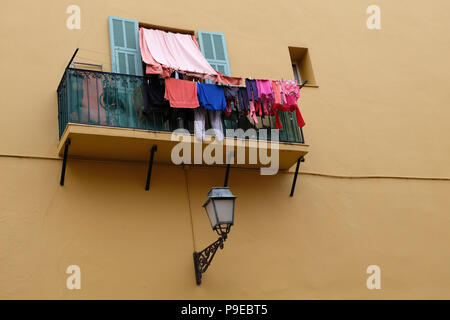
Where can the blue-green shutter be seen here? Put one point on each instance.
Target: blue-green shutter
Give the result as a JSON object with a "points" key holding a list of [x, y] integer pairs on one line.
{"points": [[125, 50], [214, 49]]}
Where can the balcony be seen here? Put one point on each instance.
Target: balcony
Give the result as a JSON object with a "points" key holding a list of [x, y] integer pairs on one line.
{"points": [[101, 114]]}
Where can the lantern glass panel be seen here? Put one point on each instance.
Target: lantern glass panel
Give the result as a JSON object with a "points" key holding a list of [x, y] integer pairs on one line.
{"points": [[211, 214], [225, 210]]}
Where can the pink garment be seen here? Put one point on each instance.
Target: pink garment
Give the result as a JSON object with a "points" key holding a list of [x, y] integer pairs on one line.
{"points": [[276, 88], [252, 114], [153, 67], [290, 92], [180, 52], [176, 51], [265, 94], [221, 78], [264, 88]]}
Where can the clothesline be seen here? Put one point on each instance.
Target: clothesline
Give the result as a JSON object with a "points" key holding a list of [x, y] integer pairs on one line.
{"points": [[194, 79]]}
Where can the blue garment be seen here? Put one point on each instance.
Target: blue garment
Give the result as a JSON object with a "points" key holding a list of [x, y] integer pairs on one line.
{"points": [[252, 88], [211, 97]]}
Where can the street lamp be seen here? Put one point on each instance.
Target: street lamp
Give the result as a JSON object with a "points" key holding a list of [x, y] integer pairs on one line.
{"points": [[219, 207]]}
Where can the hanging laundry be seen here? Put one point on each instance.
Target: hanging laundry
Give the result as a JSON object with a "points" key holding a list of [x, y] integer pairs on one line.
{"points": [[231, 96], [243, 100], [179, 52], [265, 95], [153, 93], [181, 93], [252, 93], [152, 66], [252, 89], [199, 123], [211, 96], [276, 89], [289, 94], [215, 118], [278, 107], [264, 88]]}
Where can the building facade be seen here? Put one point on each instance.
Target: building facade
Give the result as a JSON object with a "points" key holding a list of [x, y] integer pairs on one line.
{"points": [[373, 190]]}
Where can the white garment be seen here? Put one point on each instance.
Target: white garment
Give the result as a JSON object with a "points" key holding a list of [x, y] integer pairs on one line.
{"points": [[199, 123], [215, 118]]}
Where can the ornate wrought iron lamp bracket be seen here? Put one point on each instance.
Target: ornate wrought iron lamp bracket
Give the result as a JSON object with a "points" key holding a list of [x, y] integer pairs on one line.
{"points": [[203, 259]]}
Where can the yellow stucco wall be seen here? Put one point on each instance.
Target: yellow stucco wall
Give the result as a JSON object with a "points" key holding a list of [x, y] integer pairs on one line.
{"points": [[374, 188]]}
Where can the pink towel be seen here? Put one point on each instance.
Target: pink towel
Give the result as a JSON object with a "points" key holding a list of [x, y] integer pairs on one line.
{"points": [[153, 67], [167, 51], [181, 93]]}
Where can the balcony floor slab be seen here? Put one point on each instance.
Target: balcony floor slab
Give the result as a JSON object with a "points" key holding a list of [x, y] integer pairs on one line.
{"points": [[123, 144]]}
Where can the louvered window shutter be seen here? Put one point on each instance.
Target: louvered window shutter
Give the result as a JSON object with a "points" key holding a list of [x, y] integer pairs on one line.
{"points": [[125, 51], [214, 49]]}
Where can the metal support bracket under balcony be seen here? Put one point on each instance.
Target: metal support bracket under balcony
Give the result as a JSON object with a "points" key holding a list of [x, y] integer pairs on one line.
{"points": [[63, 169], [150, 166], [294, 182]]}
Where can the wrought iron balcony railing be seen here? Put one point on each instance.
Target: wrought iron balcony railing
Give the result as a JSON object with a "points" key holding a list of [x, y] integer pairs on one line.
{"points": [[116, 100]]}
